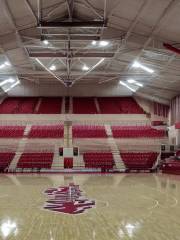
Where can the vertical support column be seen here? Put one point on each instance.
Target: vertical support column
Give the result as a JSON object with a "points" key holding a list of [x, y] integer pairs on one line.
{"points": [[70, 105], [63, 106]]}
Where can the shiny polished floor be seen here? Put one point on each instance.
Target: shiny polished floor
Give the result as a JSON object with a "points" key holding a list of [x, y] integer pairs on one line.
{"points": [[133, 206]]}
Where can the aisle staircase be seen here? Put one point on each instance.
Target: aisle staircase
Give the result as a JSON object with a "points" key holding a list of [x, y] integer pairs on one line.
{"points": [[20, 150], [78, 163], [119, 164]]}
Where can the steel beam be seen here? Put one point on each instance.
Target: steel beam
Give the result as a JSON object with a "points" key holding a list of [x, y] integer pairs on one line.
{"points": [[77, 55], [84, 24], [58, 37]]}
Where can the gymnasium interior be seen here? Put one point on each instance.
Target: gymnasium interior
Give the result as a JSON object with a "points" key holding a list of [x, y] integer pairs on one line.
{"points": [[89, 119]]}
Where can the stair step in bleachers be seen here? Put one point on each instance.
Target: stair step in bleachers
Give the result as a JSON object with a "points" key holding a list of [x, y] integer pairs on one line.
{"points": [[78, 162]]}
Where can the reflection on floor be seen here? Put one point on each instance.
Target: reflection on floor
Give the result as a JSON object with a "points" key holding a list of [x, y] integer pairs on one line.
{"points": [[132, 206]]}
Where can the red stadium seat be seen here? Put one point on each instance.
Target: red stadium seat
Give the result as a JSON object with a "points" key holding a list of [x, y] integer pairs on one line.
{"points": [[11, 131], [18, 105], [136, 132], [171, 166], [139, 161], [84, 105], [35, 160], [88, 131], [5, 160], [47, 131], [119, 105], [103, 160], [50, 106]]}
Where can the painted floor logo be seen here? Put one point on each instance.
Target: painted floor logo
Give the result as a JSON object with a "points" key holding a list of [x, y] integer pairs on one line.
{"points": [[69, 200]]}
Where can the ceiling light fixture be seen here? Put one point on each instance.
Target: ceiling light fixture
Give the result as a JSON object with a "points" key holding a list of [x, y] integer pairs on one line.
{"points": [[2, 66], [94, 43], [52, 68], [7, 63], [103, 43], [9, 80], [12, 86], [85, 67], [139, 84], [46, 42], [137, 64], [131, 81], [124, 84]]}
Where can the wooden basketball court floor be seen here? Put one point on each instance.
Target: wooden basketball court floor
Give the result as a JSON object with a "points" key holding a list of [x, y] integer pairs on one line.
{"points": [[89, 207]]}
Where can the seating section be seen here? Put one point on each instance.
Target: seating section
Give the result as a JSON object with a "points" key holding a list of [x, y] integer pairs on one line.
{"points": [[84, 105], [19, 105], [119, 105], [35, 160], [9, 105], [81, 105], [11, 131], [88, 131], [158, 123], [26, 105], [47, 131], [171, 166], [103, 160], [136, 132], [50, 105], [5, 160], [139, 161]]}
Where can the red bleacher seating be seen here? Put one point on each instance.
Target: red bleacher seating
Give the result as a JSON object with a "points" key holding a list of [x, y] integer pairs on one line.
{"points": [[11, 131], [158, 123], [139, 161], [18, 105], [103, 160], [9, 105], [35, 160], [47, 131], [136, 132], [171, 166], [26, 105], [5, 160], [88, 131], [84, 105], [119, 105], [50, 105]]}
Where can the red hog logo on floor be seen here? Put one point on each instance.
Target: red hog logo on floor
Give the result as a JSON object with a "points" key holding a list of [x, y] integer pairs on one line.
{"points": [[68, 200]]}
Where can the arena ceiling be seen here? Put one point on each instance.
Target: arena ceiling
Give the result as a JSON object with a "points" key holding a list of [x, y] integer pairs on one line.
{"points": [[77, 42]]}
